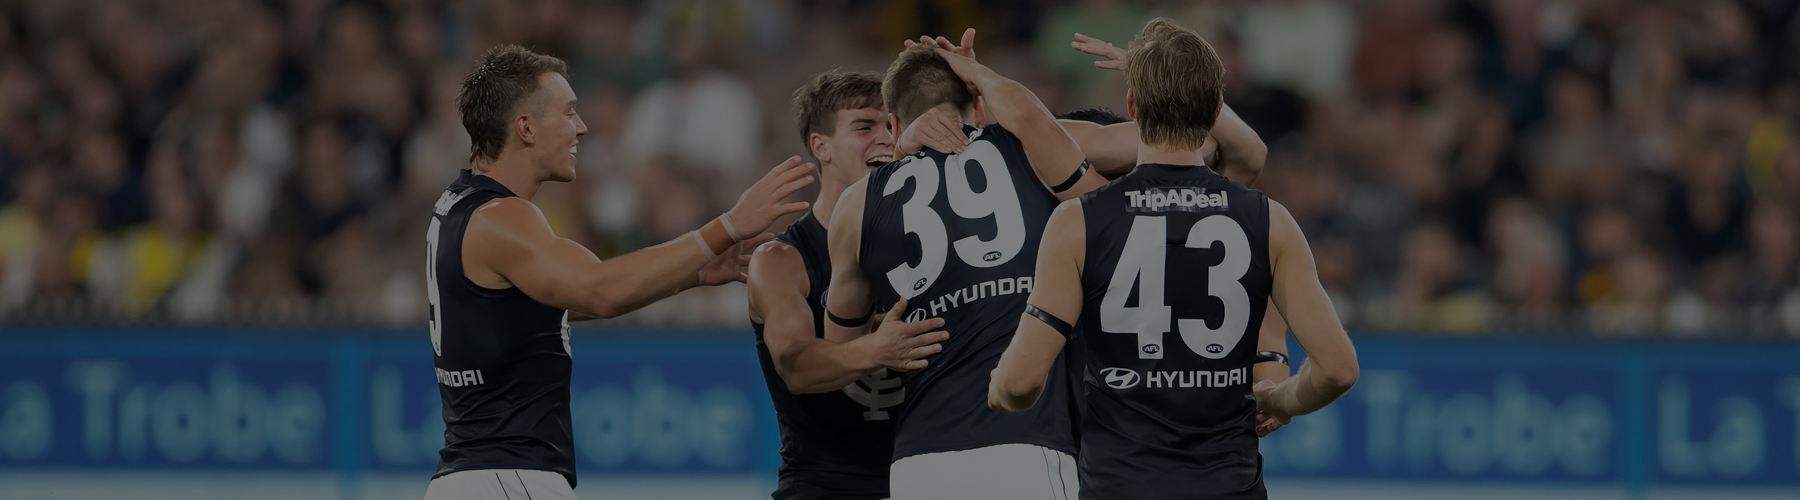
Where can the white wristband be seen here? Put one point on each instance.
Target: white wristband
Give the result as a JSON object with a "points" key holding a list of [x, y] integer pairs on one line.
{"points": [[704, 249], [725, 220]]}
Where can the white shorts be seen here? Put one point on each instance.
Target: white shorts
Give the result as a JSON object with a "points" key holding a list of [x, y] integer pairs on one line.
{"points": [[999, 472], [500, 484]]}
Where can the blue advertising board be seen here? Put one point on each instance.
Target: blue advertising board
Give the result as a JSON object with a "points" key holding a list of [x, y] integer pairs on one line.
{"points": [[670, 403], [1638, 415]]}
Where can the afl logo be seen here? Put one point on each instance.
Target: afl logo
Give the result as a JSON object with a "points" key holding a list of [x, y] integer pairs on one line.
{"points": [[919, 284], [991, 256], [1152, 348], [1120, 378], [1215, 348]]}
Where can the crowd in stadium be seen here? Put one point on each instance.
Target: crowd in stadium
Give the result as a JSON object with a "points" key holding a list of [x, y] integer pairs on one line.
{"points": [[1610, 167]]}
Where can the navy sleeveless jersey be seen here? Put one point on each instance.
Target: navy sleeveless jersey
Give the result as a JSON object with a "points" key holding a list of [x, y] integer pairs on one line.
{"points": [[502, 358], [834, 444], [1174, 287], [957, 235]]}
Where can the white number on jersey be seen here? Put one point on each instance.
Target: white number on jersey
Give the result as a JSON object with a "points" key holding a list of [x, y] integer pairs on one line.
{"points": [[1144, 262], [999, 200], [431, 286]]}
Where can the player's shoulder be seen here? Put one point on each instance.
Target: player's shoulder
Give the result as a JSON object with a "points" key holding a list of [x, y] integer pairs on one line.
{"points": [[507, 209], [508, 216], [774, 251], [777, 260]]}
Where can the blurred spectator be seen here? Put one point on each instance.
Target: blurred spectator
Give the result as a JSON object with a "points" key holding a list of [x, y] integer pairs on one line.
{"points": [[1299, 45], [1620, 167], [1115, 21]]}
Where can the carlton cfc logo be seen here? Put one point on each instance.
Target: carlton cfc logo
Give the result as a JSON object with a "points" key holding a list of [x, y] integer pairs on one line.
{"points": [[1120, 378]]}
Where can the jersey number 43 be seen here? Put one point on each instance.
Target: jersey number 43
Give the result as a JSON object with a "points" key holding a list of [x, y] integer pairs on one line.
{"points": [[1145, 261]]}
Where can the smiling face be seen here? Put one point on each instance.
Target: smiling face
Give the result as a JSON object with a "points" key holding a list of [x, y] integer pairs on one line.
{"points": [[861, 140], [555, 128]]}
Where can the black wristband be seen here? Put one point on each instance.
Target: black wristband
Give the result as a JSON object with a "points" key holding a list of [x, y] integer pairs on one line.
{"points": [[1070, 184], [846, 323], [1062, 327], [1277, 357]]}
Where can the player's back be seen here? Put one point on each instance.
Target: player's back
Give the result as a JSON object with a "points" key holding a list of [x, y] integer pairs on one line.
{"points": [[957, 235], [502, 358], [1174, 286], [835, 444]]}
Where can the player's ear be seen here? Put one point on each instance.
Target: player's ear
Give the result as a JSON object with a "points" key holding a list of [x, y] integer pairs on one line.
{"points": [[981, 120], [819, 145], [1131, 104], [894, 127], [521, 125]]}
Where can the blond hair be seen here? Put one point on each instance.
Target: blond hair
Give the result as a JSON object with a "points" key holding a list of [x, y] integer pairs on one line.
{"points": [[1177, 81]]}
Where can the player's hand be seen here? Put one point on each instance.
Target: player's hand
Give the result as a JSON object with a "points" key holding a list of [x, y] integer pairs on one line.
{"points": [[965, 68], [903, 346], [936, 130], [1266, 424], [967, 49], [1265, 407], [732, 265], [1115, 57], [760, 205], [994, 401]]}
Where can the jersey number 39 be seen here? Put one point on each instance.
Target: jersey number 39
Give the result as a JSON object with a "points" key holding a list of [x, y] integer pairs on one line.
{"points": [[999, 200], [1144, 261]]}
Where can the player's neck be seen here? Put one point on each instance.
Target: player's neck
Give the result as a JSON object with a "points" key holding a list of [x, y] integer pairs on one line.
{"points": [[515, 175], [1167, 156], [829, 190]]}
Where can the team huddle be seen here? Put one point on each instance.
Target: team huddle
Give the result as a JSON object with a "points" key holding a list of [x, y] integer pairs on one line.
{"points": [[977, 305]]}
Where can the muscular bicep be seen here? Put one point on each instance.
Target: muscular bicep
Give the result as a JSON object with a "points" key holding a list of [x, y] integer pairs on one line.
{"points": [[510, 237], [1299, 296], [778, 291], [1272, 337], [1056, 287], [849, 295], [1056, 292]]}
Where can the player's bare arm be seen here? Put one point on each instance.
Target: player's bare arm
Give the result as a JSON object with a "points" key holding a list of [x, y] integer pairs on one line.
{"points": [[1272, 338], [509, 243], [1237, 152], [1052, 153], [1019, 379], [849, 299], [808, 364], [1330, 368], [1240, 153]]}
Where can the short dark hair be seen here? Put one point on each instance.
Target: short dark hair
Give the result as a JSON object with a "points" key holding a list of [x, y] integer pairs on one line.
{"points": [[919, 80], [1178, 81], [1094, 115], [507, 74], [817, 103]]}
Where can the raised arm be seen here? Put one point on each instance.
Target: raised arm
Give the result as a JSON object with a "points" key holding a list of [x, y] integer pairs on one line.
{"points": [[1053, 154], [807, 363], [1019, 379], [1238, 154], [1330, 367], [509, 243]]}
